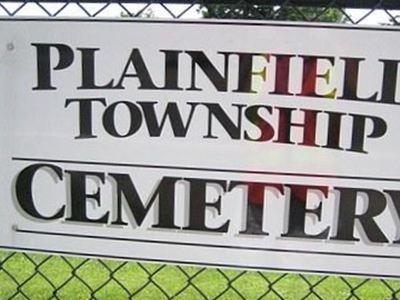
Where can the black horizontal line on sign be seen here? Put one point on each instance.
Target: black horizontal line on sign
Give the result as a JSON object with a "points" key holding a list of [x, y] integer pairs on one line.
{"points": [[203, 245], [203, 169]]}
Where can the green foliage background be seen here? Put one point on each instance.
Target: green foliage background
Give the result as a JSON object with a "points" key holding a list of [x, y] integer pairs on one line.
{"points": [[267, 12]]}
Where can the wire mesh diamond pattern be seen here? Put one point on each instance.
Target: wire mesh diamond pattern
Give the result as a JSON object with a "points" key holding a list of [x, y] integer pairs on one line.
{"points": [[39, 276]]}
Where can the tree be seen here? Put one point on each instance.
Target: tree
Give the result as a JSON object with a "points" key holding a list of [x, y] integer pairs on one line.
{"points": [[268, 12]]}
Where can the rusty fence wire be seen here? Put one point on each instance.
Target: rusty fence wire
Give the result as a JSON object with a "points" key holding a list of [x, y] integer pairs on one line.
{"points": [[42, 276]]}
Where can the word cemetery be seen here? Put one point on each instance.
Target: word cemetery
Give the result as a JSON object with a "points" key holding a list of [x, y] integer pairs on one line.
{"points": [[273, 147]]}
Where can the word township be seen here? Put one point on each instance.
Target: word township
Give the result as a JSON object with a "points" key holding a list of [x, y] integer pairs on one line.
{"points": [[225, 72]]}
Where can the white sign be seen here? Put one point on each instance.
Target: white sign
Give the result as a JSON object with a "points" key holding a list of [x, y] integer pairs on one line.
{"points": [[238, 144]]}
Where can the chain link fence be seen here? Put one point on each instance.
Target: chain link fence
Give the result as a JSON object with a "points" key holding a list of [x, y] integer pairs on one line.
{"points": [[38, 276], [352, 12]]}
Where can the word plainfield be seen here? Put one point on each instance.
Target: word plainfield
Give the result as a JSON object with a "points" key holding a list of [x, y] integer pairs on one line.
{"points": [[242, 63], [165, 192], [238, 144], [226, 72]]}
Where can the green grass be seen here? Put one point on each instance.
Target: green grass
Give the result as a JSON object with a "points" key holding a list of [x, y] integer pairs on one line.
{"points": [[37, 276]]}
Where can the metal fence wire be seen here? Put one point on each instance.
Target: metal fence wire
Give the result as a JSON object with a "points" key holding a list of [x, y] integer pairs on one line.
{"points": [[39, 276]]}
